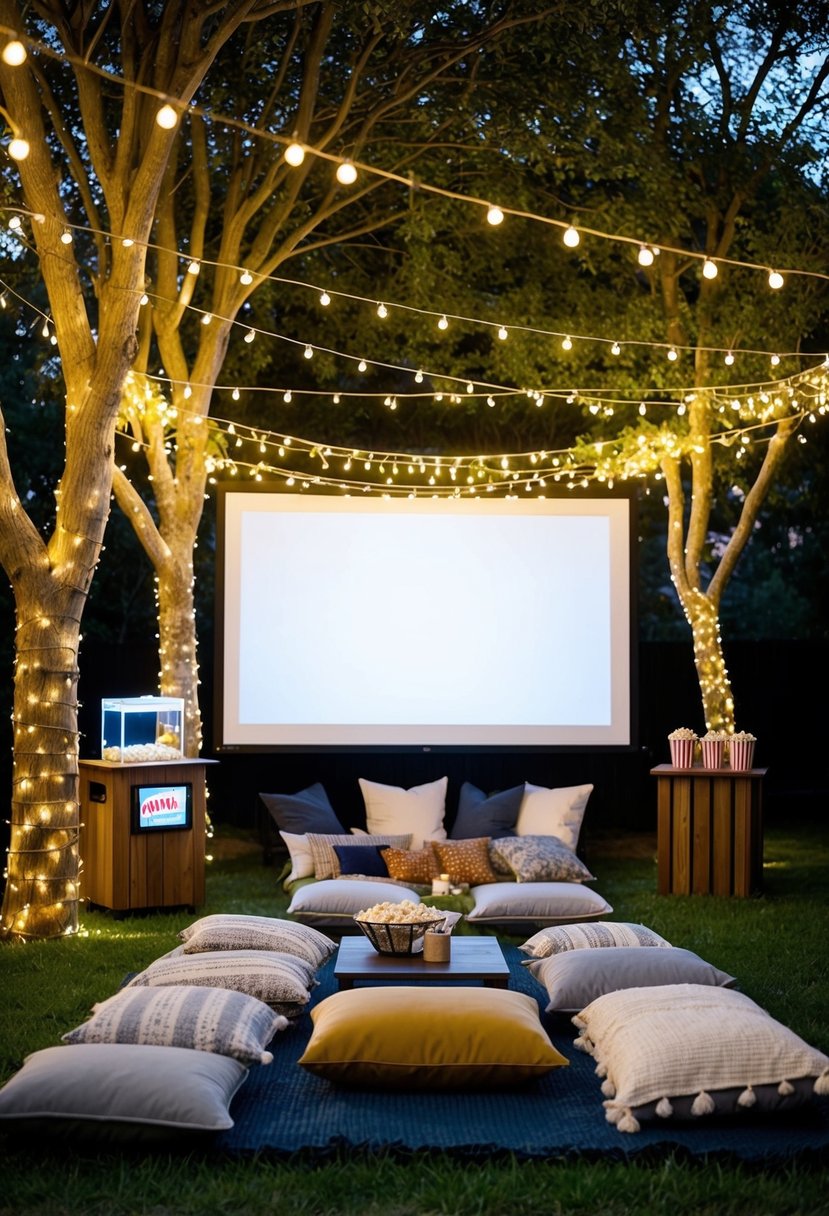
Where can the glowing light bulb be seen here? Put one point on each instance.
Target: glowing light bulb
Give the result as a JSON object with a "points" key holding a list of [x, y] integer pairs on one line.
{"points": [[193, 268], [346, 173], [245, 278], [615, 349], [127, 242], [709, 269], [250, 335], [502, 333], [325, 299], [673, 355], [235, 395], [15, 223], [14, 53], [66, 237], [286, 396], [645, 255], [567, 343], [775, 280], [729, 359], [207, 318], [309, 352], [418, 377], [470, 388], [166, 117], [362, 365], [382, 311], [18, 148], [494, 216], [571, 237], [145, 299], [775, 359], [295, 154], [443, 323]]}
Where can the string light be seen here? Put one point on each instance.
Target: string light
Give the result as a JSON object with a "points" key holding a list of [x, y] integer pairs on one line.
{"points": [[294, 154], [571, 237], [503, 333], [709, 269], [645, 255], [382, 312], [729, 359], [494, 216], [346, 173], [14, 53], [245, 278], [775, 280], [166, 117], [325, 299], [673, 354], [18, 148], [443, 323]]}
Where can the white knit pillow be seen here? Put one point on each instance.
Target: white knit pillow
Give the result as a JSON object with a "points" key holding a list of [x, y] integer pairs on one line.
{"points": [[692, 1050]]}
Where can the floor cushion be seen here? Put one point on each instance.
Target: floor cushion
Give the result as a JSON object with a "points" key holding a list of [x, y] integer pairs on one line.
{"points": [[591, 936], [550, 902], [236, 931], [307, 811], [576, 977], [335, 901], [540, 859], [93, 1086], [205, 1019], [690, 1050], [553, 812], [281, 980], [419, 810], [492, 815], [422, 1037]]}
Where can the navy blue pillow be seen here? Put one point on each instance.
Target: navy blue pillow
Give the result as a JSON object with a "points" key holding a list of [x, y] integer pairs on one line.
{"points": [[481, 814], [307, 811], [361, 859]]}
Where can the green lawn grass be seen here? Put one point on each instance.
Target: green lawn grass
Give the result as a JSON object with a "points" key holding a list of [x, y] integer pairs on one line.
{"points": [[776, 945]]}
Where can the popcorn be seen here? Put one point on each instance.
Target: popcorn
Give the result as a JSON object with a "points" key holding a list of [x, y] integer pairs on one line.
{"points": [[743, 736], [683, 732], [716, 736], [141, 753], [403, 913]]}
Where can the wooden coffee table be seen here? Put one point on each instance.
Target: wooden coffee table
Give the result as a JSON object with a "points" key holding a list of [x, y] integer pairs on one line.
{"points": [[472, 958]]}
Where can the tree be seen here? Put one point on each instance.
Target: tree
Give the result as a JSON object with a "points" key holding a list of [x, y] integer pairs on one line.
{"points": [[96, 151]]}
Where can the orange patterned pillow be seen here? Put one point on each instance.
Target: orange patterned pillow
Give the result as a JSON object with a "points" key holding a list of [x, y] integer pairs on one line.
{"points": [[411, 865], [466, 860]]}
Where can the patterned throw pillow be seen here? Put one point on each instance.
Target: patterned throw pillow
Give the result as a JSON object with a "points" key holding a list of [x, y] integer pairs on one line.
{"points": [[326, 862], [239, 932], [204, 1019], [465, 860], [412, 865], [280, 980], [589, 936], [541, 859]]}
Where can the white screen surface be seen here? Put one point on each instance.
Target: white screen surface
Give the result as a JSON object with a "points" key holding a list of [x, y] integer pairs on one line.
{"points": [[364, 622]]}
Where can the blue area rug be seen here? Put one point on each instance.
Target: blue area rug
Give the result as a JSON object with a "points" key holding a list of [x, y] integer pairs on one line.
{"points": [[282, 1110]]}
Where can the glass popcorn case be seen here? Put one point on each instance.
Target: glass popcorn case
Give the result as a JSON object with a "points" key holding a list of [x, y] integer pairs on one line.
{"points": [[140, 730]]}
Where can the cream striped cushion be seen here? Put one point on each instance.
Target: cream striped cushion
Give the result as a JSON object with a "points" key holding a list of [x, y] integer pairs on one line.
{"points": [[238, 932], [280, 980], [590, 936], [204, 1019]]}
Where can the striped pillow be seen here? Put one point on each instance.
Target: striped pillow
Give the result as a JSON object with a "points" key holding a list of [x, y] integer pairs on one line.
{"points": [[204, 1019], [280, 980], [589, 936], [326, 861], [238, 932]]}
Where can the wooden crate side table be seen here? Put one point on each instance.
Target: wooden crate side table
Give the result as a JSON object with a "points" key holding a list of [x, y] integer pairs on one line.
{"points": [[123, 871], [709, 830]]}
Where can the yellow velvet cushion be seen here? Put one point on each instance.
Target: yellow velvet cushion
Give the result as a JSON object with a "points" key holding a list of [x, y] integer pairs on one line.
{"points": [[466, 860], [418, 1037], [412, 865]]}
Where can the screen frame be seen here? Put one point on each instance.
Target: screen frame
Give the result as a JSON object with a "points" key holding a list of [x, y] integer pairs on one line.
{"points": [[139, 829], [225, 489]]}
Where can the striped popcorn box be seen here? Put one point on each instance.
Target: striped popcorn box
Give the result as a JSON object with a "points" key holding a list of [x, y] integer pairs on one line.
{"points": [[682, 752], [742, 753], [713, 753]]}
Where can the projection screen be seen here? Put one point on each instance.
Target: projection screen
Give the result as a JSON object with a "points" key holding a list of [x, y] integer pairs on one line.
{"points": [[479, 622]]}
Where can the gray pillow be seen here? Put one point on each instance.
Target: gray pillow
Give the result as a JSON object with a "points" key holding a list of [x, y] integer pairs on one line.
{"points": [[307, 811], [540, 859], [481, 814], [280, 980], [231, 931], [577, 977], [204, 1019], [105, 1083]]}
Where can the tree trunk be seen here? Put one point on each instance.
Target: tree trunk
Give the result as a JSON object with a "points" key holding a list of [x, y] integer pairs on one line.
{"points": [[714, 682], [177, 640], [42, 890]]}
